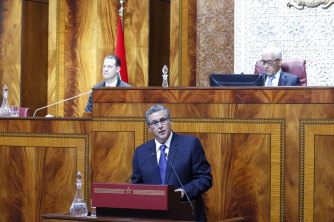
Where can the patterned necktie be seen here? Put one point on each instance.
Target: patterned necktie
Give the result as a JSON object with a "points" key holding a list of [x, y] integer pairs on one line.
{"points": [[162, 163], [270, 82]]}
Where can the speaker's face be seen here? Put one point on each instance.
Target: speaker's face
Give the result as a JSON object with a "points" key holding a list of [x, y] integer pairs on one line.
{"points": [[160, 126], [272, 64]]}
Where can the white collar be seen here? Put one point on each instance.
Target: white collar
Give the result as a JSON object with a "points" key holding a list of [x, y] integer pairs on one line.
{"points": [[113, 84]]}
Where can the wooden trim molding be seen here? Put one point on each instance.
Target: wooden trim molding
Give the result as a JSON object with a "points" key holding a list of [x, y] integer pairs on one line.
{"points": [[309, 128]]}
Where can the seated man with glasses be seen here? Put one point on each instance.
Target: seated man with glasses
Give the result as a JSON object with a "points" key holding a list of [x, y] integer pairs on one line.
{"points": [[184, 152], [274, 76]]}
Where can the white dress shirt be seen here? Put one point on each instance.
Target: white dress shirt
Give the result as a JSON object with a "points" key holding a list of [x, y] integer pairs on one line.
{"points": [[276, 79], [167, 144], [113, 84]]}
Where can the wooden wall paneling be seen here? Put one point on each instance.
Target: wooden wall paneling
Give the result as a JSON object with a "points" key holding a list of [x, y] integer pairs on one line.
{"points": [[136, 37], [35, 59], [183, 46], [114, 143], [254, 202], [106, 37], [34, 180], [56, 57], [216, 95], [80, 51], [62, 16], [315, 174], [159, 37], [242, 183], [184, 22], [38, 163], [112, 150], [192, 38], [292, 114], [10, 49], [174, 43], [323, 178], [44, 170], [52, 86]]}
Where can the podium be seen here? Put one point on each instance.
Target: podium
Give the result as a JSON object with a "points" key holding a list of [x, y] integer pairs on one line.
{"points": [[140, 201]]}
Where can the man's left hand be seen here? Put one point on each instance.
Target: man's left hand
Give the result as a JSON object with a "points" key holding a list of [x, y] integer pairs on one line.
{"points": [[180, 190]]}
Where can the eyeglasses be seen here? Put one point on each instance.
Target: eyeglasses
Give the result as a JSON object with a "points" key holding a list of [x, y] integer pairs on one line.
{"points": [[155, 123], [269, 62]]}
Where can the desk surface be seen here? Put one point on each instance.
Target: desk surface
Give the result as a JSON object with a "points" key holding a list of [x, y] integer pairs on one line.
{"points": [[67, 217]]}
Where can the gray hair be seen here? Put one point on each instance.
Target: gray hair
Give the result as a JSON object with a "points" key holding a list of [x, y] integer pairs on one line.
{"points": [[272, 49], [155, 108]]}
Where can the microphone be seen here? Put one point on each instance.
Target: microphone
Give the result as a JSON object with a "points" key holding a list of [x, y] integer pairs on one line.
{"points": [[192, 208], [61, 101], [152, 154]]}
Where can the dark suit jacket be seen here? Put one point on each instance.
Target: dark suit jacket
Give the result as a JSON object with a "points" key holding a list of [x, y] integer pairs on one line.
{"points": [[101, 84], [286, 79], [188, 158]]}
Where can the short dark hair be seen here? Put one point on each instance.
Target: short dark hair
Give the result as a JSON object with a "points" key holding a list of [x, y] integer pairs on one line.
{"points": [[117, 60], [156, 108]]}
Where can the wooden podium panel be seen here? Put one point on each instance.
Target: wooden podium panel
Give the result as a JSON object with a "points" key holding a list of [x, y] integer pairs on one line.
{"points": [[39, 158], [257, 140]]}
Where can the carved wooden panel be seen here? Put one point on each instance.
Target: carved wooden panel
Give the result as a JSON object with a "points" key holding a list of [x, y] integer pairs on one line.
{"points": [[215, 39]]}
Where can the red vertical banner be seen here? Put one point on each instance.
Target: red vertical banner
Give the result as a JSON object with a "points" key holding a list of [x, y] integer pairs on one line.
{"points": [[120, 51]]}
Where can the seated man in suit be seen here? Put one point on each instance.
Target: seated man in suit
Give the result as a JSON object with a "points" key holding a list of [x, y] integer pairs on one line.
{"points": [[271, 60], [111, 67], [184, 152]]}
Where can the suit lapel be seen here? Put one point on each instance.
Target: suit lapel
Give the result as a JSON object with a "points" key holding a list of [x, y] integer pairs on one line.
{"points": [[154, 163], [282, 80], [171, 156]]}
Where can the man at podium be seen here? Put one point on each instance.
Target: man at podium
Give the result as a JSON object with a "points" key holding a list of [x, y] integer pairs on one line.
{"points": [[111, 67], [152, 160]]}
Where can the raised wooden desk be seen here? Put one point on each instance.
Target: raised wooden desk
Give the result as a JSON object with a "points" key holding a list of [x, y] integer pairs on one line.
{"points": [[271, 150]]}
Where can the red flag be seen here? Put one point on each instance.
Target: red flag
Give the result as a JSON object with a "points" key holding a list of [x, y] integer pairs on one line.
{"points": [[120, 51]]}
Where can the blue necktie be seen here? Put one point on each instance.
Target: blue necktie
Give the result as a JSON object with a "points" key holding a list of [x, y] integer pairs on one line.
{"points": [[162, 163], [270, 82]]}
